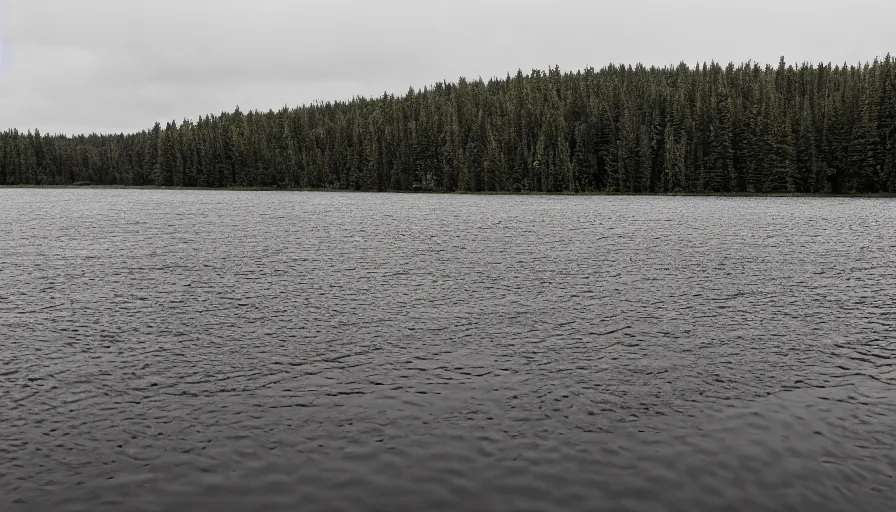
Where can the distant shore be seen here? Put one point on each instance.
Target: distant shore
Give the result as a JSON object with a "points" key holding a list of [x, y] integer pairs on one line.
{"points": [[488, 193]]}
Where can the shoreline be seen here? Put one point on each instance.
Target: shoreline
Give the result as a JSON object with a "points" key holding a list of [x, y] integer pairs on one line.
{"points": [[485, 193]]}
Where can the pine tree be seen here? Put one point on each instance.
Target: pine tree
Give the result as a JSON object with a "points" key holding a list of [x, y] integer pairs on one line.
{"points": [[807, 128]]}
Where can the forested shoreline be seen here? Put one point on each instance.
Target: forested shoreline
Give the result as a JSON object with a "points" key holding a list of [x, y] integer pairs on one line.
{"points": [[706, 129]]}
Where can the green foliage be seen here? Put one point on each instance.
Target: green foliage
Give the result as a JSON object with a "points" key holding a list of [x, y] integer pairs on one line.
{"points": [[810, 129]]}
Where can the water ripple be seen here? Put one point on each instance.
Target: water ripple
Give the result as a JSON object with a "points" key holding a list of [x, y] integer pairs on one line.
{"points": [[175, 350]]}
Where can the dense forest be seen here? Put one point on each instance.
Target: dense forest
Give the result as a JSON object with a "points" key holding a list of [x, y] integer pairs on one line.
{"points": [[709, 128]]}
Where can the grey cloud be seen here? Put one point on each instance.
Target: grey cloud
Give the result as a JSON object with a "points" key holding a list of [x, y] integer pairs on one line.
{"points": [[115, 65]]}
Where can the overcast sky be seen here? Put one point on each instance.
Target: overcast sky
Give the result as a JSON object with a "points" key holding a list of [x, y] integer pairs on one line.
{"points": [[119, 65]]}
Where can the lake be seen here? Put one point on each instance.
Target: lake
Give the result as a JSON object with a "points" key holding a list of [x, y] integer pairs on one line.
{"points": [[217, 350]]}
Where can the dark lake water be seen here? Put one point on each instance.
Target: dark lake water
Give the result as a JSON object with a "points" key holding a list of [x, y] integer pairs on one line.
{"points": [[179, 350]]}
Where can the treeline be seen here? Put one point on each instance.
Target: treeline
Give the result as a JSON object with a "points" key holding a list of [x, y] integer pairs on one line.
{"points": [[813, 129]]}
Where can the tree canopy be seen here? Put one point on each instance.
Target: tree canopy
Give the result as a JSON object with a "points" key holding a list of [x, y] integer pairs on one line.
{"points": [[748, 128]]}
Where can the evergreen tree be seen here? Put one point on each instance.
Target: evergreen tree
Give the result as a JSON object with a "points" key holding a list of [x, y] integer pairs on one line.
{"points": [[705, 128]]}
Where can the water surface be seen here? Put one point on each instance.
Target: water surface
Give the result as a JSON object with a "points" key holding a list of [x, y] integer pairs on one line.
{"points": [[187, 350]]}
